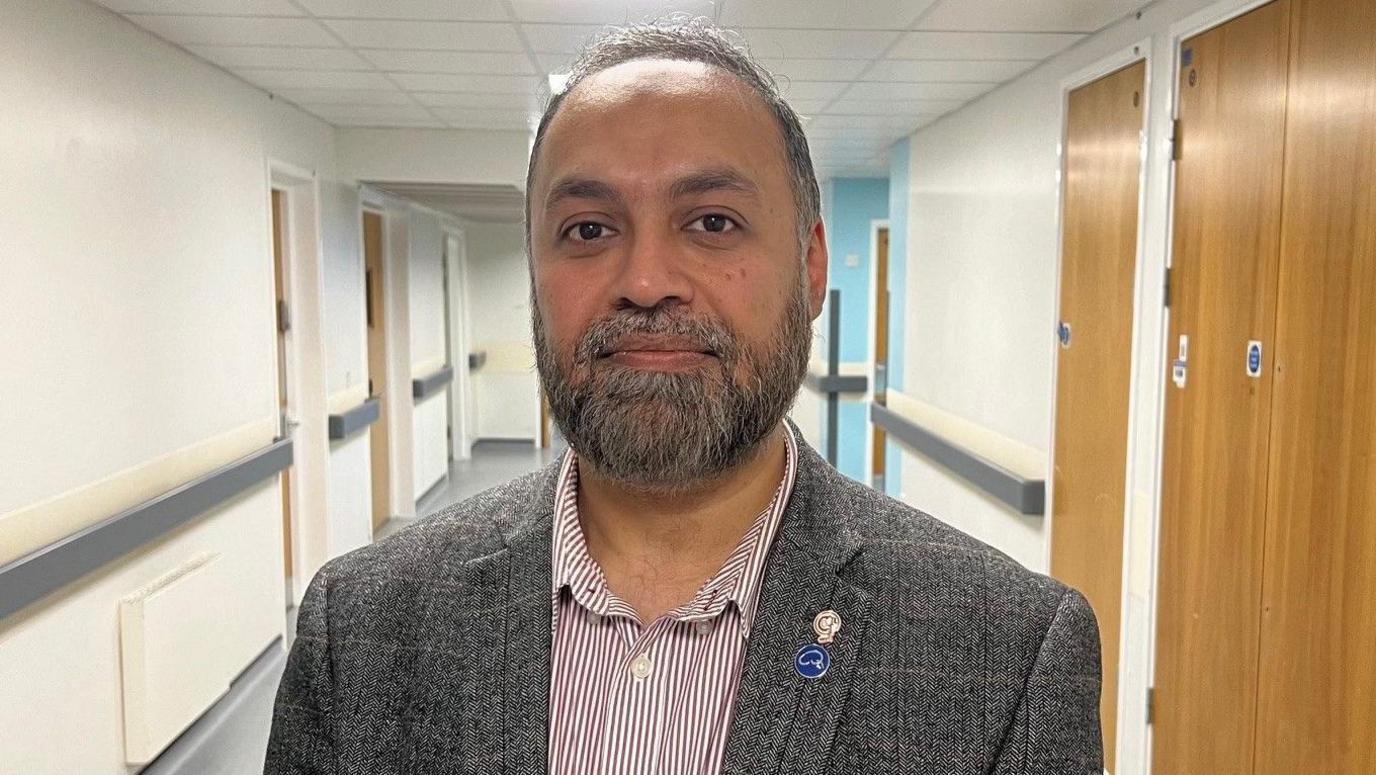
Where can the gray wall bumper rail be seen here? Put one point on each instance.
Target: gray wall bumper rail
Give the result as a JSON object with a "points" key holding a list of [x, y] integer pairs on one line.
{"points": [[348, 423], [35, 575], [837, 383], [430, 384], [1028, 496]]}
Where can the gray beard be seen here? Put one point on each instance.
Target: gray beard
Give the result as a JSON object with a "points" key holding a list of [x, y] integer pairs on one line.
{"points": [[667, 432]]}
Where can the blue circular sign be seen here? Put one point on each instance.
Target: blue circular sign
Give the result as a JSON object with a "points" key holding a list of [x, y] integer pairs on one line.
{"points": [[812, 661]]}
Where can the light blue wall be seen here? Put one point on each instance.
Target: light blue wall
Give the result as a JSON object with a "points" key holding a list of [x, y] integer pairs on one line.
{"points": [[899, 156], [849, 205]]}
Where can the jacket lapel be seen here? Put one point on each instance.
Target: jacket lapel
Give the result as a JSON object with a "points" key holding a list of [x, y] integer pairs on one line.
{"points": [[785, 723], [517, 688]]}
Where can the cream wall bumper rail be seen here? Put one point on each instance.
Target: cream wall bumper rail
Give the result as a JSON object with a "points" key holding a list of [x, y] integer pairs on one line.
{"points": [[430, 384], [1026, 495], [45, 570], [354, 420]]}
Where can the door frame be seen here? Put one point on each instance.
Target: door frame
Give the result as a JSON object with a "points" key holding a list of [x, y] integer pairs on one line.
{"points": [[872, 331], [460, 416], [303, 270], [1163, 167], [1106, 65]]}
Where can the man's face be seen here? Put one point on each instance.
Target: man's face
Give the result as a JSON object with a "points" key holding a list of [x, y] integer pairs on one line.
{"points": [[673, 298]]}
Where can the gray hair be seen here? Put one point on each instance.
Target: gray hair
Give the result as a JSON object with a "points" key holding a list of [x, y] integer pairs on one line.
{"points": [[694, 40]]}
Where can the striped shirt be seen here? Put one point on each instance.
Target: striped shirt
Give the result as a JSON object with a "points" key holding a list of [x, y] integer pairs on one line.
{"points": [[630, 699]]}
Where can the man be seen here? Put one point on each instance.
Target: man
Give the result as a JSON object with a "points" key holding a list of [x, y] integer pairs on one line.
{"points": [[690, 589]]}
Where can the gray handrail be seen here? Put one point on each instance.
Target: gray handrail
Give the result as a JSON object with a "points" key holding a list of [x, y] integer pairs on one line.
{"points": [[1026, 495], [347, 423], [432, 383], [43, 571]]}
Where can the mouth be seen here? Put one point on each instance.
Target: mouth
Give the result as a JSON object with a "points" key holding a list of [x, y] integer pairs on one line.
{"points": [[657, 353]]}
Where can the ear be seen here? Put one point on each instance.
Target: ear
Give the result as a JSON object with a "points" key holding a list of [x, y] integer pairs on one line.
{"points": [[816, 260]]}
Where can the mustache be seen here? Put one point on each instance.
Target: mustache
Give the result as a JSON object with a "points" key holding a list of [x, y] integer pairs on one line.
{"points": [[706, 334]]}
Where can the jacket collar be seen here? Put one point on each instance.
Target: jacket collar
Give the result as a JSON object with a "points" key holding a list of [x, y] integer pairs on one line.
{"points": [[804, 575]]}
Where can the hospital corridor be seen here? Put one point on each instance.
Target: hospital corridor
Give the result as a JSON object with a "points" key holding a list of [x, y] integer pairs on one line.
{"points": [[1097, 289]]}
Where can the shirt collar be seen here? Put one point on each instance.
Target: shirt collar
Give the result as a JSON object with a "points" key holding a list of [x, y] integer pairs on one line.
{"points": [[737, 581]]}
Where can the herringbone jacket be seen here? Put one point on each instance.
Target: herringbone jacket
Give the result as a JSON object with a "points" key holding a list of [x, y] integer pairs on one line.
{"points": [[429, 652]]}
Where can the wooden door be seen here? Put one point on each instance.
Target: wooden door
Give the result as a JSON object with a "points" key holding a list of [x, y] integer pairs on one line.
{"points": [[1317, 701], [1104, 125], [374, 291], [1232, 110], [881, 340], [279, 282]]}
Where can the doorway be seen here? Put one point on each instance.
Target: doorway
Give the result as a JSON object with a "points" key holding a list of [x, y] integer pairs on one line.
{"points": [[282, 322], [375, 294], [1099, 244], [1267, 548], [879, 347]]}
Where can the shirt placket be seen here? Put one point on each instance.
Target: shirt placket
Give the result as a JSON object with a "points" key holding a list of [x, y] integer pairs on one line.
{"points": [[635, 715]]}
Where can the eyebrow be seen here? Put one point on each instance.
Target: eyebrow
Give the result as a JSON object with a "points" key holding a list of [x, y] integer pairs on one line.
{"points": [[707, 181], [702, 182], [580, 188]]}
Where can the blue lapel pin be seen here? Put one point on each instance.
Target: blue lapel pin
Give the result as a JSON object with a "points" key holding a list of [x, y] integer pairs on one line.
{"points": [[813, 660]]}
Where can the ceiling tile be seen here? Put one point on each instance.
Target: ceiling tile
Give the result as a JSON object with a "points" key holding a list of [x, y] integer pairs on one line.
{"points": [[1028, 15], [448, 10], [982, 45], [558, 38], [211, 7], [447, 36], [808, 107], [498, 115], [236, 31], [863, 122], [314, 79], [813, 44], [493, 62], [815, 69], [525, 102], [372, 112], [483, 84], [867, 15], [607, 11], [281, 57], [554, 63], [849, 107], [394, 123], [811, 90], [950, 70], [917, 91], [346, 96]]}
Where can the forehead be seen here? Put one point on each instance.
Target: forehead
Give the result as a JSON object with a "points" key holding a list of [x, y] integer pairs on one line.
{"points": [[649, 118]]}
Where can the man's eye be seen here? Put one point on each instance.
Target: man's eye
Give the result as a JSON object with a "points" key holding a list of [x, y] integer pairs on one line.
{"points": [[587, 231], [714, 223]]}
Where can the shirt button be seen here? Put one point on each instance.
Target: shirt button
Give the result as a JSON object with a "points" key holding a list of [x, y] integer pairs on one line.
{"points": [[641, 667], [703, 626], [594, 618]]}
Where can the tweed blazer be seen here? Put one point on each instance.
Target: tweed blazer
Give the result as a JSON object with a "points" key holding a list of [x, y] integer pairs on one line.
{"points": [[429, 652]]}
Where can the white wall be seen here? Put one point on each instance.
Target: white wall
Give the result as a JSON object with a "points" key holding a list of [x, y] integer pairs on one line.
{"points": [[482, 157], [506, 388], [430, 457], [137, 325], [981, 305]]}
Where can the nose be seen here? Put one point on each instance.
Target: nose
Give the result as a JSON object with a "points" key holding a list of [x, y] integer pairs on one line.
{"points": [[653, 273]]}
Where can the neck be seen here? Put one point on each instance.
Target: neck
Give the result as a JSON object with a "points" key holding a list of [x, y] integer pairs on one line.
{"points": [[680, 537]]}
